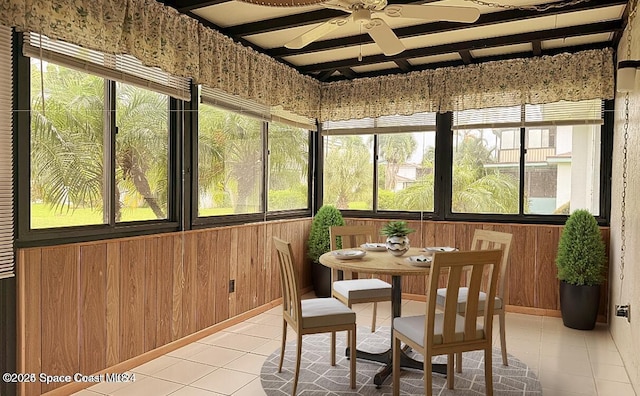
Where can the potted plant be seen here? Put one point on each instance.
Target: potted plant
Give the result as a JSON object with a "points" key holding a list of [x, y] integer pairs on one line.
{"points": [[397, 240], [319, 244], [581, 262]]}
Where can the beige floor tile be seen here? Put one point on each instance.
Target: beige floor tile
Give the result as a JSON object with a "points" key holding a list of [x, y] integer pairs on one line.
{"points": [[567, 364], [148, 386], [184, 372], [257, 330], [216, 356], [224, 381], [253, 388], [516, 345], [86, 392], [268, 348], [156, 365], [612, 388], [600, 356], [553, 379], [609, 372], [249, 363], [267, 319], [567, 337], [237, 341], [108, 388], [556, 392], [191, 391], [554, 349], [414, 309], [187, 351], [530, 359]]}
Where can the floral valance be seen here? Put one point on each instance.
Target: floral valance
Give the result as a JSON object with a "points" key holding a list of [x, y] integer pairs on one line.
{"points": [[242, 71], [573, 77], [160, 36]]}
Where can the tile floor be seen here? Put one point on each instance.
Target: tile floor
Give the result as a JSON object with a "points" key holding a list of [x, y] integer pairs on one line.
{"points": [[568, 362]]}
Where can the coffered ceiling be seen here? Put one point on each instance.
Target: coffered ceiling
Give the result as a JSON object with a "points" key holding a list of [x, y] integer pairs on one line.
{"points": [[508, 29]]}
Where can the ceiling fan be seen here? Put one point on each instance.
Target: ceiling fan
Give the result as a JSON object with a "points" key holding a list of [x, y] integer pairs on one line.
{"points": [[362, 11]]}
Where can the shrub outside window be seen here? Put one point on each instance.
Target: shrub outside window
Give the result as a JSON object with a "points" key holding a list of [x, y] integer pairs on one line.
{"points": [[288, 167]]}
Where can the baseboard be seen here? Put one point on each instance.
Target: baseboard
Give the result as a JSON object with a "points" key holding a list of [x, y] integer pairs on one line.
{"points": [[172, 346]]}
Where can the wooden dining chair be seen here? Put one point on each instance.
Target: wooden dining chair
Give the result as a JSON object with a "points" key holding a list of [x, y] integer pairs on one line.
{"points": [[362, 290], [311, 316], [484, 240], [449, 332]]}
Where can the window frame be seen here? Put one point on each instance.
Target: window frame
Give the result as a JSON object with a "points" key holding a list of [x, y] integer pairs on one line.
{"points": [[25, 235], [443, 181], [200, 222]]}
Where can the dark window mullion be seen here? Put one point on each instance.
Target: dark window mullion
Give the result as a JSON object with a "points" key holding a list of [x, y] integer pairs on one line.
{"points": [[266, 167], [376, 158], [523, 154], [110, 149], [443, 185]]}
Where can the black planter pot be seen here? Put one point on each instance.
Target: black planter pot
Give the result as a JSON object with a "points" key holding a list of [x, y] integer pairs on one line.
{"points": [[321, 279], [579, 305]]}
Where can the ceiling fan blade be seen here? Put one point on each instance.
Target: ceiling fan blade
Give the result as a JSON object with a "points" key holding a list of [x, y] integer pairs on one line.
{"points": [[382, 34], [317, 32], [433, 12]]}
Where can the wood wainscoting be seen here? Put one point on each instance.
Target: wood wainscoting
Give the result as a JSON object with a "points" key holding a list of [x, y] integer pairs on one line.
{"points": [[87, 307], [532, 281]]}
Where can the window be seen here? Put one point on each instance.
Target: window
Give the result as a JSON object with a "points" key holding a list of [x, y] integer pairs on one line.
{"points": [[252, 159], [348, 172], [484, 178], [406, 170], [288, 167], [518, 163], [68, 187], [142, 145], [229, 162], [401, 149], [69, 133], [100, 149], [561, 159]]}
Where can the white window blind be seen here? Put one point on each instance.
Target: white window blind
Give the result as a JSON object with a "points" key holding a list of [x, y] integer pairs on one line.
{"points": [[122, 68], [418, 122], [587, 112], [6, 155], [223, 100]]}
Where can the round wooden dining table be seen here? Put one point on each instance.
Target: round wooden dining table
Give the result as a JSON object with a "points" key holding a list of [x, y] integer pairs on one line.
{"points": [[384, 263]]}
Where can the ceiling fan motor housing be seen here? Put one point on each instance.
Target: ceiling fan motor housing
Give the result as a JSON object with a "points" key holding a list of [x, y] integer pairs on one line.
{"points": [[362, 15]]}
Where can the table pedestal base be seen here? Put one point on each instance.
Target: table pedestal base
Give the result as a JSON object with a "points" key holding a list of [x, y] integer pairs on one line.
{"points": [[386, 358]]}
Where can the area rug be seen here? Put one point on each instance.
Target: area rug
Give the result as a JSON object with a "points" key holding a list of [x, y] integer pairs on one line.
{"points": [[319, 378]]}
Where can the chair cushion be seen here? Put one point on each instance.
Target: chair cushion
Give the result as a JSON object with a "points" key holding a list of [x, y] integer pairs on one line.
{"points": [[362, 289], [320, 312], [413, 328], [462, 299]]}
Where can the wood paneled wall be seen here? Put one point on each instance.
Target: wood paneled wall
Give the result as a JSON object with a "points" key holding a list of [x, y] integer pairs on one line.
{"points": [[532, 275], [88, 306]]}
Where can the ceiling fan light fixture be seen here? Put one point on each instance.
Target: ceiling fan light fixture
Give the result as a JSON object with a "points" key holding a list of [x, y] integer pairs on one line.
{"points": [[283, 3]]}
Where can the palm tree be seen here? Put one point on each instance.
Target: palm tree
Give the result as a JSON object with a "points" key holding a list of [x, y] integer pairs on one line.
{"points": [[243, 161], [67, 138], [348, 171], [395, 149], [142, 145], [477, 189]]}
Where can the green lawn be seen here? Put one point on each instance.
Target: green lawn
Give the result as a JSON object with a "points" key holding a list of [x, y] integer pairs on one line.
{"points": [[44, 216]]}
